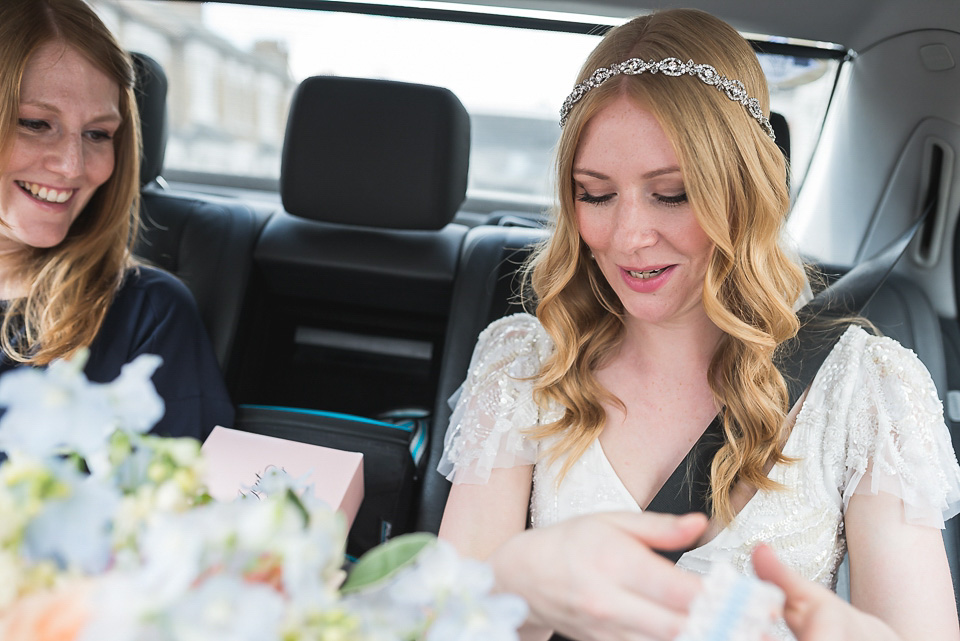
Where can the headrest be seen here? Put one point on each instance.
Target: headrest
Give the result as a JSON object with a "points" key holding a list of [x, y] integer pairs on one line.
{"points": [[151, 91], [782, 131], [375, 153]]}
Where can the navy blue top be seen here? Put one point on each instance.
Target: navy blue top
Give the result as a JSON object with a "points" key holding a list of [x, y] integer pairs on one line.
{"points": [[154, 313]]}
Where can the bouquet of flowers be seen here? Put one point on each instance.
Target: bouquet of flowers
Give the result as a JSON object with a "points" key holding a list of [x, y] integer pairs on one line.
{"points": [[107, 533]]}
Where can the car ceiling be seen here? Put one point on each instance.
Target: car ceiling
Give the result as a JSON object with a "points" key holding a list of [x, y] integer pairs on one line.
{"points": [[854, 24]]}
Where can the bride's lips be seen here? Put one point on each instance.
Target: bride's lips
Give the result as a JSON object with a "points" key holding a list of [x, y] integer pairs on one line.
{"points": [[647, 279]]}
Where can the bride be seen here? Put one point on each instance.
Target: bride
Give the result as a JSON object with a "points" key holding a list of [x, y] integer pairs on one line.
{"points": [[662, 295]]}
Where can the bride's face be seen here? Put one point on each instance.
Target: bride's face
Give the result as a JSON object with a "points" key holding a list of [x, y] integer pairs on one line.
{"points": [[633, 214]]}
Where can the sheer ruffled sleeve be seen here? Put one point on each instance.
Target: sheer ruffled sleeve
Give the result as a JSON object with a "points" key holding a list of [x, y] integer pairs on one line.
{"points": [[495, 403], [897, 440]]}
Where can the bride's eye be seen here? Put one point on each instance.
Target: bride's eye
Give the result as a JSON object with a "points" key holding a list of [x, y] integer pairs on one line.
{"points": [[672, 201], [586, 197]]}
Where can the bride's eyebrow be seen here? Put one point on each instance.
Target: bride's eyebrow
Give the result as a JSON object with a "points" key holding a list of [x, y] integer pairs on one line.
{"points": [[588, 172], [663, 171]]}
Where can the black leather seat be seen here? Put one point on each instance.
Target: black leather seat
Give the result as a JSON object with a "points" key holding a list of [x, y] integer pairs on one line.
{"points": [[488, 287], [355, 275], [207, 242]]}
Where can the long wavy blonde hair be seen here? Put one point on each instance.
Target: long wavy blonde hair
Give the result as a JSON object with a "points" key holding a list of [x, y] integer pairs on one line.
{"points": [[735, 178], [71, 285]]}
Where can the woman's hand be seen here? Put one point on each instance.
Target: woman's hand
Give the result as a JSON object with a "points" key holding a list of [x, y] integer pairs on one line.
{"points": [[813, 612], [596, 578]]}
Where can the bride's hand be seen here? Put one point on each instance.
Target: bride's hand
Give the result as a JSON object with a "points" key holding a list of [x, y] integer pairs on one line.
{"points": [[813, 612], [595, 578]]}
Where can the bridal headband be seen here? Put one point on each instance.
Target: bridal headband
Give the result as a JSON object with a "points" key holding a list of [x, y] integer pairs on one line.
{"points": [[670, 67]]}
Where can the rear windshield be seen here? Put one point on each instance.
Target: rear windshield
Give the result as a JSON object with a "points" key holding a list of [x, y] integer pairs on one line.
{"points": [[233, 68]]}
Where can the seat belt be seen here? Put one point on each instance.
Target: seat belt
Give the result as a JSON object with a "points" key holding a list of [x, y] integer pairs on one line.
{"points": [[801, 357]]}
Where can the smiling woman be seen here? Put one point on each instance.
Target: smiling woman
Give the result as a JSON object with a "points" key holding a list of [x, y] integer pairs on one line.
{"points": [[69, 191], [63, 152]]}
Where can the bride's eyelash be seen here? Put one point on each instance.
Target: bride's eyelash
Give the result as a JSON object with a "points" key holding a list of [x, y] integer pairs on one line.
{"points": [[590, 199], [679, 199]]}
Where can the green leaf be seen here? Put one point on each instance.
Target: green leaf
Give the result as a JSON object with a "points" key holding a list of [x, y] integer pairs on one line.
{"points": [[385, 560]]}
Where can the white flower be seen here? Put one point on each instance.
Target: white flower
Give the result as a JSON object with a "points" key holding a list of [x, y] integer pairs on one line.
{"points": [[134, 399], [168, 565], [123, 611], [178, 547], [75, 531], [456, 591], [492, 618], [227, 608], [75, 414], [222, 607], [439, 572]]}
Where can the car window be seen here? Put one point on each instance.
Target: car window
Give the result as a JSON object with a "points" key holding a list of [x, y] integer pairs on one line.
{"points": [[233, 68]]}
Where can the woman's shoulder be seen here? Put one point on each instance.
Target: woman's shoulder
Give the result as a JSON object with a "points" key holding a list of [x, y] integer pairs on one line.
{"points": [[495, 403], [515, 326], [152, 281], [155, 289], [881, 355], [884, 413], [516, 339], [522, 330]]}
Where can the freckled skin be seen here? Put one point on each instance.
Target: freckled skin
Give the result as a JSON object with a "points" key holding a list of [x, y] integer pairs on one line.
{"points": [[69, 112], [645, 223]]}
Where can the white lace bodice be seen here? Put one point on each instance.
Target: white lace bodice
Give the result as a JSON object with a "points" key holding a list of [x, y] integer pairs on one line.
{"points": [[871, 421]]}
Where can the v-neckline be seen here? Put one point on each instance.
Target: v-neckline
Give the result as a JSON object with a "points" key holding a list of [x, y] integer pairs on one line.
{"points": [[622, 488], [795, 412]]}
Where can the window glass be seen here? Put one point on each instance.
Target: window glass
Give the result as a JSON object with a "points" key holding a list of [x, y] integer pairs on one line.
{"points": [[233, 68]]}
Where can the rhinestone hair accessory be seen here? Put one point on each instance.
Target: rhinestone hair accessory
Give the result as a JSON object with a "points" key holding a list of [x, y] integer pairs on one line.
{"points": [[707, 74]]}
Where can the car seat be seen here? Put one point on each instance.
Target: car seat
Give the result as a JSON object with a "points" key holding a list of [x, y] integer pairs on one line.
{"points": [[206, 241]]}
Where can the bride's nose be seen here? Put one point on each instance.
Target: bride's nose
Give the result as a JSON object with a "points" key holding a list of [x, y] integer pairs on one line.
{"points": [[636, 226]]}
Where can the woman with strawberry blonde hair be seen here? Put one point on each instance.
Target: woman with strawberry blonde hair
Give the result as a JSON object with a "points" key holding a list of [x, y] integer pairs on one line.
{"points": [[664, 297], [69, 197]]}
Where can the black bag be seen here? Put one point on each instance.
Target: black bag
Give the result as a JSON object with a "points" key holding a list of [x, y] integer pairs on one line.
{"points": [[391, 450]]}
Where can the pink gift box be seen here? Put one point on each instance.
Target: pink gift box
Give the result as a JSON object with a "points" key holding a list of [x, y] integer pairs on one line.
{"points": [[235, 458]]}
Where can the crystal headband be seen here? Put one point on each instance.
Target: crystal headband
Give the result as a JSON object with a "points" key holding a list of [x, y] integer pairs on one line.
{"points": [[670, 67]]}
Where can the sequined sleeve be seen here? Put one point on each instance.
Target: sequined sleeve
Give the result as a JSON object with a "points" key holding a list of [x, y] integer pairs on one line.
{"points": [[495, 403], [897, 441]]}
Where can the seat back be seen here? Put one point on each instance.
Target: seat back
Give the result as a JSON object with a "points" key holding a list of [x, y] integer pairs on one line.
{"points": [[488, 287], [355, 275], [205, 241]]}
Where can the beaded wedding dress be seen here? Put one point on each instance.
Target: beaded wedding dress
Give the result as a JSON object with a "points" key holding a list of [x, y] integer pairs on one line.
{"points": [[871, 421]]}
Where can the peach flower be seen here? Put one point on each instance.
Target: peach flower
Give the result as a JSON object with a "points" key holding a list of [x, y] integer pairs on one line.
{"points": [[58, 614]]}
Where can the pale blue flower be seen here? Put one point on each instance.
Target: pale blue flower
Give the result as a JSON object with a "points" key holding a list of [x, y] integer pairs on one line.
{"points": [[223, 607], [455, 591], [75, 414], [137, 406], [493, 618], [177, 548], [131, 472], [440, 571], [54, 410], [123, 610], [170, 570], [75, 531], [227, 608]]}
